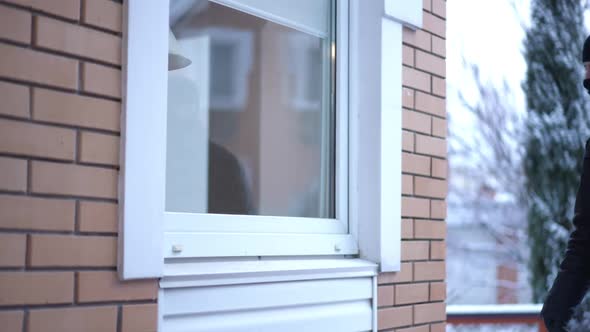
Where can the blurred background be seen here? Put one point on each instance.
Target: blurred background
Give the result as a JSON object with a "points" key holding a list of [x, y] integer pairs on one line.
{"points": [[518, 122]]}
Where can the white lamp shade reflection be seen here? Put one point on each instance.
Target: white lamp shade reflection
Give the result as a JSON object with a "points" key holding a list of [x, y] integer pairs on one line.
{"points": [[175, 59]]}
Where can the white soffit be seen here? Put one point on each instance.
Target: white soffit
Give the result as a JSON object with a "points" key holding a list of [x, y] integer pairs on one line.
{"points": [[408, 12]]}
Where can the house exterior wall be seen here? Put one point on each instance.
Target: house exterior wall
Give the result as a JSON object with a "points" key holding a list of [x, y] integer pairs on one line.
{"points": [[413, 299], [60, 104]]}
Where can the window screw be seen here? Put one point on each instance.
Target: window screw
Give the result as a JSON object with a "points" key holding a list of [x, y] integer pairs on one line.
{"points": [[337, 248], [177, 248]]}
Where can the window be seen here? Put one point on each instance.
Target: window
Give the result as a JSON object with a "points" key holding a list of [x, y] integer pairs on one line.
{"points": [[242, 131]]}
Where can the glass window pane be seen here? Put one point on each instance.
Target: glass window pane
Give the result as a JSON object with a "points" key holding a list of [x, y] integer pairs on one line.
{"points": [[251, 122]]}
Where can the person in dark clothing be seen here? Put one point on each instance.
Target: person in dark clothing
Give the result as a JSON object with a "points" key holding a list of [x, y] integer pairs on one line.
{"points": [[573, 279]]}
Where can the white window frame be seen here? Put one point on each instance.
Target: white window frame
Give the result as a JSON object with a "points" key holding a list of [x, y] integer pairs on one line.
{"points": [[373, 204]]}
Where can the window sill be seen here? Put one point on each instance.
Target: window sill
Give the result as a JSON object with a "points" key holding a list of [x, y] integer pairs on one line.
{"points": [[196, 274]]}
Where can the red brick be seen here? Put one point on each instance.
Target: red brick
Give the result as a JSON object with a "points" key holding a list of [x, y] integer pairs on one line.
{"points": [[439, 127], [425, 271], [438, 250], [415, 207], [103, 14], [98, 217], [411, 293], [76, 180], [15, 25], [13, 249], [407, 229], [12, 320], [426, 229], [438, 209], [428, 187], [38, 67], [439, 7], [98, 319], [77, 40], [414, 250], [438, 327], [99, 148], [29, 139], [407, 184], [394, 317], [434, 24], [13, 176], [404, 275], [407, 141], [427, 5], [417, 38], [385, 296], [415, 79], [66, 8], [407, 98], [69, 250], [439, 46], [19, 212], [421, 328], [75, 110], [416, 121], [101, 80], [140, 318], [430, 104], [430, 312], [431, 146], [15, 100], [439, 168], [20, 288], [415, 164], [98, 286], [430, 63], [439, 86], [438, 291], [408, 56]]}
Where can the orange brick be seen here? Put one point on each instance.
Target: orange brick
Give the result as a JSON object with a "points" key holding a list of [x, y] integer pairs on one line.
{"points": [[99, 148], [103, 14], [29, 139], [439, 86], [430, 63], [12, 320], [71, 109], [407, 141], [427, 5], [407, 98], [428, 187], [407, 184], [430, 312], [411, 293], [28, 65], [438, 250], [414, 250], [15, 25], [20, 212], [15, 100], [415, 207], [77, 40], [101, 80], [74, 319], [415, 164], [416, 121], [404, 275], [426, 229], [439, 168], [99, 286], [439, 7], [425, 271], [407, 229], [385, 296], [415, 79], [439, 127], [438, 209], [69, 250], [439, 46], [394, 317], [76, 180], [98, 217], [438, 327], [13, 248], [434, 24], [66, 8], [408, 56], [438, 291], [140, 318], [13, 176], [417, 38], [430, 104], [431, 146], [422, 328], [20, 288]]}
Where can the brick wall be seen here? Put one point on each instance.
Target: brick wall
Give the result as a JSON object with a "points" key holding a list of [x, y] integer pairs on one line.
{"points": [[413, 299], [60, 103]]}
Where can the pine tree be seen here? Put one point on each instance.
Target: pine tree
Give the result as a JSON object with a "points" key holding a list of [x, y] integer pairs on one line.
{"points": [[557, 127]]}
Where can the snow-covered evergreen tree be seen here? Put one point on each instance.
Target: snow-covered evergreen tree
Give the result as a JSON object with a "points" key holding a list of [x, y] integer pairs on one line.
{"points": [[557, 127]]}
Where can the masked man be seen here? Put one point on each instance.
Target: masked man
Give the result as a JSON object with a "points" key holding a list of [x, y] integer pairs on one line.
{"points": [[573, 279]]}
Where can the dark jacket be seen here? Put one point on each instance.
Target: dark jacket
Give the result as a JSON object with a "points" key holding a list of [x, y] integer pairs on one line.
{"points": [[573, 279]]}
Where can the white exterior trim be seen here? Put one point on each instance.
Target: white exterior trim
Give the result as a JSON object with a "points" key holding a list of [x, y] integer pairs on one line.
{"points": [[408, 12]]}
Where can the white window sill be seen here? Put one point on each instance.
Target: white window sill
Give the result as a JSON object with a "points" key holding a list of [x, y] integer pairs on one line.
{"points": [[209, 273]]}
